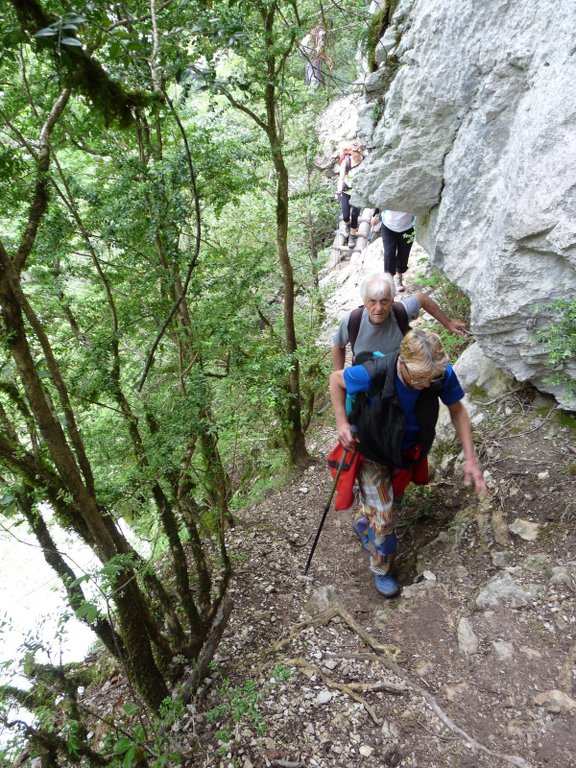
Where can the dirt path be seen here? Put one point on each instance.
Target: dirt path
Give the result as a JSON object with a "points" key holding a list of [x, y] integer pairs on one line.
{"points": [[472, 666]]}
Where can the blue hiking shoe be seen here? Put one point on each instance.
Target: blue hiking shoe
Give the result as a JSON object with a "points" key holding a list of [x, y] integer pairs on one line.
{"points": [[360, 528], [386, 585]]}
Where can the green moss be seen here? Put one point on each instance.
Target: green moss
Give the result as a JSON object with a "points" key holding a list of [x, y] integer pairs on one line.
{"points": [[377, 111], [379, 23], [476, 392], [567, 419]]}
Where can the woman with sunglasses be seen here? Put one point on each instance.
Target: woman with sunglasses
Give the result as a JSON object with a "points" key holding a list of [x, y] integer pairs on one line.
{"points": [[396, 404]]}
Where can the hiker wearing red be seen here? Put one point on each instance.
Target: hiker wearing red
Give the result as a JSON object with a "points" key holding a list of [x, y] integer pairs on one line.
{"points": [[380, 325], [394, 414]]}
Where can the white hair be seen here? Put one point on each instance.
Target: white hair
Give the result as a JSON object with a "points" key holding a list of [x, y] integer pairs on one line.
{"points": [[377, 286]]}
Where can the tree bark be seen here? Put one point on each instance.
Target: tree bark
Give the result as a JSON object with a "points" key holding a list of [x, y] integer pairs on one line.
{"points": [[142, 667], [101, 627], [296, 443]]}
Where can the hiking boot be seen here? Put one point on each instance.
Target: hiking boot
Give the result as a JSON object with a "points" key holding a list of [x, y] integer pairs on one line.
{"points": [[352, 242], [386, 584], [360, 528], [399, 283]]}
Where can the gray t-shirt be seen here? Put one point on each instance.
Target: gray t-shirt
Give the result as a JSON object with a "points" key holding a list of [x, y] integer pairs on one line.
{"points": [[385, 337]]}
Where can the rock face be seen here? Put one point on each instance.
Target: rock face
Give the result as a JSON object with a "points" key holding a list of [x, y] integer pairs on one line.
{"points": [[470, 124]]}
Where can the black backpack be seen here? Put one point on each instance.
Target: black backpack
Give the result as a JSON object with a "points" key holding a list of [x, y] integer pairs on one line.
{"points": [[355, 319], [379, 417]]}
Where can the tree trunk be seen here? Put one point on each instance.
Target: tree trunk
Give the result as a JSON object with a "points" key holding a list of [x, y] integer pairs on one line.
{"points": [[295, 434], [142, 667], [101, 627]]}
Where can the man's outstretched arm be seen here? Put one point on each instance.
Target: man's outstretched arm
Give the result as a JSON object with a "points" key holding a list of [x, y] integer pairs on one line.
{"points": [[430, 306]]}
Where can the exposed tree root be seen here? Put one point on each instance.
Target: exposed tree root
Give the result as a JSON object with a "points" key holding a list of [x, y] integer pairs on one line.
{"points": [[321, 619], [387, 654], [350, 689]]}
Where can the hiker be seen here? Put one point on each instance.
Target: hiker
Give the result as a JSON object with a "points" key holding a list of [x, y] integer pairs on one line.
{"points": [[397, 229], [379, 325], [350, 161], [395, 428], [313, 49]]}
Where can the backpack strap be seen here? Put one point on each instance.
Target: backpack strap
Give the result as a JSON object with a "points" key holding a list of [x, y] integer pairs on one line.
{"points": [[382, 371], [401, 316], [354, 321]]}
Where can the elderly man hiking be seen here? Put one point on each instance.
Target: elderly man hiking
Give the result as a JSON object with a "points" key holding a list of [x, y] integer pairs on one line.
{"points": [[395, 410], [380, 324]]}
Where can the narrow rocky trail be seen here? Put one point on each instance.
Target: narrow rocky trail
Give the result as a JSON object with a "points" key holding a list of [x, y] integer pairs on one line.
{"points": [[473, 665]]}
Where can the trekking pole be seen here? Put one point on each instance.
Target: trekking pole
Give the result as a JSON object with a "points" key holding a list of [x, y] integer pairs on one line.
{"points": [[327, 507]]}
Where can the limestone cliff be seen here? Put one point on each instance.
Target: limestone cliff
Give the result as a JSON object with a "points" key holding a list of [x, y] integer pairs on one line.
{"points": [[470, 121]]}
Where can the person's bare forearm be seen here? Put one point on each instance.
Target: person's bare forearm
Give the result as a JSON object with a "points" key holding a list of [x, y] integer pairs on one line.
{"points": [[430, 306], [338, 358], [463, 431], [338, 397], [472, 469]]}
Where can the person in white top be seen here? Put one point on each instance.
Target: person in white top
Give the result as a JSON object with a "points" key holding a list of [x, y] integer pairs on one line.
{"points": [[397, 237]]}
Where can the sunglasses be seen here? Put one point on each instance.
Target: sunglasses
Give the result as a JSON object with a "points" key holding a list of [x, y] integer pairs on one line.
{"points": [[434, 383]]}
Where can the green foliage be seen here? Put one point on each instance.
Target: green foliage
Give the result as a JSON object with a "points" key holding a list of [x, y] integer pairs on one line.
{"points": [[423, 497], [377, 111], [73, 733], [455, 304], [115, 240], [559, 340], [62, 29], [239, 704], [280, 673], [133, 743], [87, 610]]}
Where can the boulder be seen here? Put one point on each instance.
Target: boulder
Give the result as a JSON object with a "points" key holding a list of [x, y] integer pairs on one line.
{"points": [[473, 129]]}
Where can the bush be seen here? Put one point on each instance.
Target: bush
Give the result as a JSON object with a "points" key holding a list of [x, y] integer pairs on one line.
{"points": [[455, 304], [559, 338]]}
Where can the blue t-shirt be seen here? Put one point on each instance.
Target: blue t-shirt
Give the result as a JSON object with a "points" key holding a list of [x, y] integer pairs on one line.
{"points": [[357, 379]]}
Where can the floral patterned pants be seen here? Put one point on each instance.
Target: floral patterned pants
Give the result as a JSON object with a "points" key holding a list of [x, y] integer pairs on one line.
{"points": [[377, 496]]}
